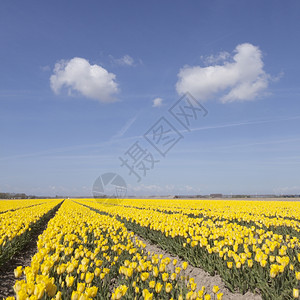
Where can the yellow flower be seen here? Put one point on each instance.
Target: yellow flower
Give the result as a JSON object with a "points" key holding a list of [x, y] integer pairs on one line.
{"points": [[39, 290], [91, 292], [144, 276], [145, 293], [263, 263], [162, 268], [70, 268], [18, 272], [215, 289], [51, 289], [152, 284], [168, 287], [155, 272], [295, 293], [69, 280], [189, 295], [165, 276], [123, 288], [80, 287], [272, 258], [89, 277], [229, 264], [97, 272], [250, 263], [200, 294], [297, 275], [220, 296], [158, 287], [21, 295], [193, 286], [58, 296], [148, 296], [99, 263], [83, 297], [75, 295], [207, 297], [129, 272], [30, 288], [184, 265]]}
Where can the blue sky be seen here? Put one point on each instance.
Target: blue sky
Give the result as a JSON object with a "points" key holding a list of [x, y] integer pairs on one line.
{"points": [[79, 80]]}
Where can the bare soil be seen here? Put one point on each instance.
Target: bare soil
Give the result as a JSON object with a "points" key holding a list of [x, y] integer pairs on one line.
{"points": [[201, 277]]}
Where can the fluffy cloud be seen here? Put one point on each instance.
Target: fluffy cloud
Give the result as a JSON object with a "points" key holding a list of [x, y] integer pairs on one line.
{"points": [[157, 102], [241, 77], [79, 76]]}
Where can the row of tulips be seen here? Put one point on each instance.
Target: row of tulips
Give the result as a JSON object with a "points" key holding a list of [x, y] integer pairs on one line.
{"points": [[10, 205], [247, 257], [279, 216], [86, 255], [17, 226]]}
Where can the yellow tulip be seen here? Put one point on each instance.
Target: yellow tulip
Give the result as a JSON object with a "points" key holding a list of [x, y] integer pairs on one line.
{"points": [[168, 287], [144, 276], [18, 272], [184, 265], [80, 287], [158, 287], [69, 280], [165, 276]]}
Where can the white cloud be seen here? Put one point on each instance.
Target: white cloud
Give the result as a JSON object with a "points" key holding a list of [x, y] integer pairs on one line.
{"points": [[126, 60], [213, 59], [157, 102], [241, 77], [78, 75]]}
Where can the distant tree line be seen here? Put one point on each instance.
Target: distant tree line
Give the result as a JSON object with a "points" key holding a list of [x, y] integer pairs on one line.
{"points": [[16, 196]]}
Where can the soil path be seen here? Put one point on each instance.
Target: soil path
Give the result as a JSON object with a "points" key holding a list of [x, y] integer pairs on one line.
{"points": [[201, 277]]}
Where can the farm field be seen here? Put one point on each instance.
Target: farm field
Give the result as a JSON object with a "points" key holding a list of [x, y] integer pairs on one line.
{"points": [[154, 249]]}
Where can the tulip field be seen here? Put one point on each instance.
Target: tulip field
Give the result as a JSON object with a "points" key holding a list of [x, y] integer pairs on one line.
{"points": [[96, 248]]}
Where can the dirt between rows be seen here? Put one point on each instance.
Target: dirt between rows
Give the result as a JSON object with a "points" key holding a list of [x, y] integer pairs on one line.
{"points": [[23, 258], [201, 277]]}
